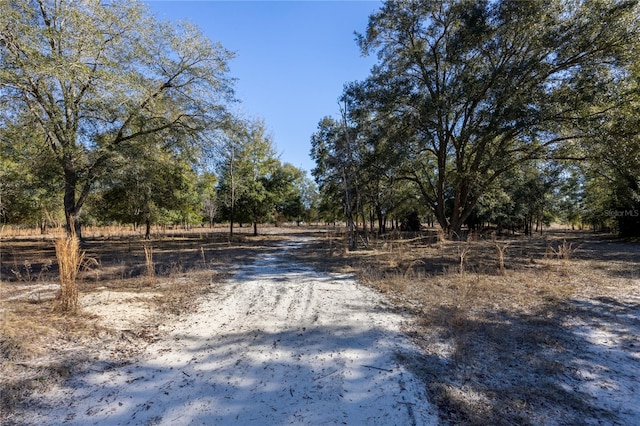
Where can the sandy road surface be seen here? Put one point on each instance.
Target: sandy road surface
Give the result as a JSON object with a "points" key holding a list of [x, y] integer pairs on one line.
{"points": [[278, 344]]}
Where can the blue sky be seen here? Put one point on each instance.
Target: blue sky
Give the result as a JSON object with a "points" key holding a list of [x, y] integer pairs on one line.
{"points": [[292, 59]]}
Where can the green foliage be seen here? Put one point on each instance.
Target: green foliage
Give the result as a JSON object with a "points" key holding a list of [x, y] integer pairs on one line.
{"points": [[612, 150], [286, 184], [254, 186], [95, 79], [29, 184], [207, 188], [242, 182], [467, 92], [150, 186], [310, 198], [526, 198], [333, 168], [335, 148]]}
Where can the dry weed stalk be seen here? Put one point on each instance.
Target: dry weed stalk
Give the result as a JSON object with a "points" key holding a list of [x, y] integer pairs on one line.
{"points": [[500, 250], [69, 261], [400, 247], [148, 256], [565, 250], [459, 321], [463, 252], [329, 240], [204, 258]]}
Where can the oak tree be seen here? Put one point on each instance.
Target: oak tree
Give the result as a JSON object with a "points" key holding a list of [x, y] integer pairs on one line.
{"points": [[467, 90], [96, 77]]}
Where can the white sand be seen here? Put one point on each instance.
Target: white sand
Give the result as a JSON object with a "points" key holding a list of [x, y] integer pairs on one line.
{"points": [[278, 344]]}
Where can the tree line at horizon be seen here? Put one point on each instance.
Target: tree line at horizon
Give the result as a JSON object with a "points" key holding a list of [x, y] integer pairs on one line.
{"points": [[109, 115], [510, 114]]}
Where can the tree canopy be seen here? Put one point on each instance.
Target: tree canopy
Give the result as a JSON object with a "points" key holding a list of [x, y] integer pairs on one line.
{"points": [[464, 91], [90, 79], [254, 186]]}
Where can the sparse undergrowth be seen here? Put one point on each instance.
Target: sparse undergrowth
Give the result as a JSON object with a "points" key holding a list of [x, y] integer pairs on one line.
{"points": [[500, 320]]}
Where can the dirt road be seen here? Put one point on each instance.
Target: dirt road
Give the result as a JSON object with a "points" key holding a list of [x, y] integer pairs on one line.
{"points": [[278, 344]]}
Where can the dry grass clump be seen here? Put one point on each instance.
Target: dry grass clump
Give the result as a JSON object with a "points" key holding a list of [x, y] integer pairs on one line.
{"points": [[500, 253], [69, 262], [563, 253]]}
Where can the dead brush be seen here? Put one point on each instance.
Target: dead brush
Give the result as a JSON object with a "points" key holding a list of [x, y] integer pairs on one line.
{"points": [[149, 265], [70, 259], [331, 246], [181, 295], [389, 281], [21, 336], [31, 339], [449, 303], [410, 269], [500, 251], [564, 253], [395, 283]]}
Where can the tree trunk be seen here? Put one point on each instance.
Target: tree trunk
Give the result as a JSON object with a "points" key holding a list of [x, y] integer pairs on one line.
{"points": [[231, 219], [531, 225], [73, 206], [74, 226], [70, 212], [382, 221], [372, 220], [352, 235], [365, 234]]}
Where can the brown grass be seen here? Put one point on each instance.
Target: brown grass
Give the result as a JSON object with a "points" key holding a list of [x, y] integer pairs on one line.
{"points": [[493, 341], [31, 336], [69, 262], [500, 252], [564, 253]]}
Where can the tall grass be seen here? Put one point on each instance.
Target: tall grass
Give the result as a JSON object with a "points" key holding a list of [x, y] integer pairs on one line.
{"points": [[69, 261]]}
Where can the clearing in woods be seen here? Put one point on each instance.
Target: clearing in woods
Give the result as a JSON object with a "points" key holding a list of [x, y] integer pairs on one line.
{"points": [[503, 331]]}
